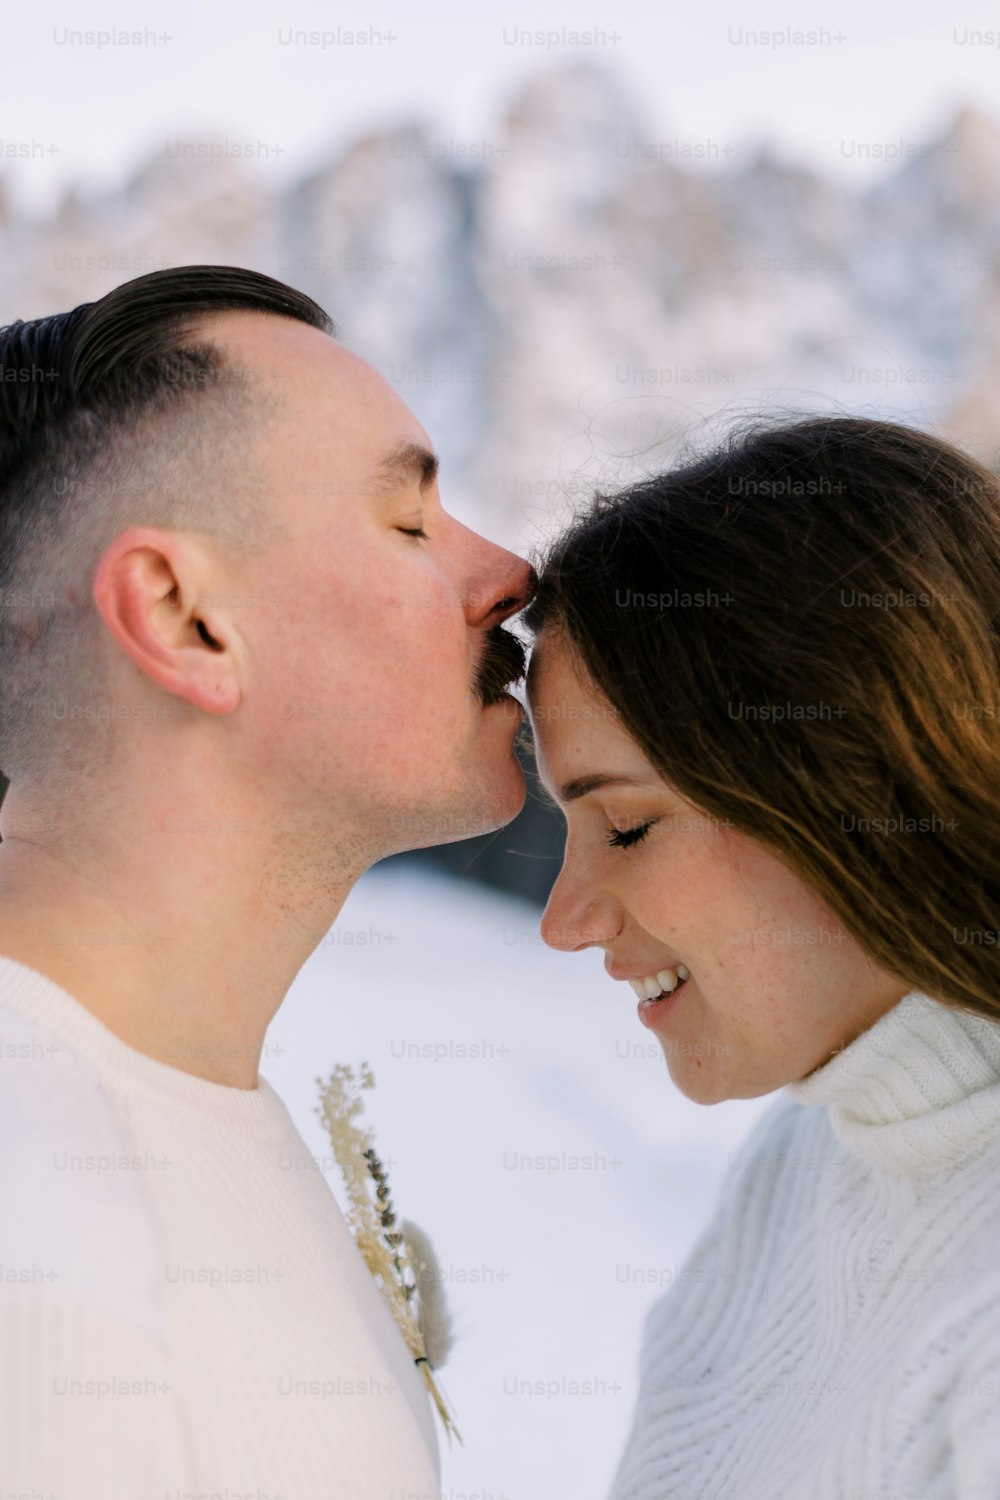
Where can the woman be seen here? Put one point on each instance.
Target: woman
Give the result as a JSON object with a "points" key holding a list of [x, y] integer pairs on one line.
{"points": [[765, 692]]}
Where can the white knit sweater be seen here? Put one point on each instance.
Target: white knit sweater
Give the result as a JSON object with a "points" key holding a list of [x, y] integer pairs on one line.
{"points": [[183, 1310], [836, 1334]]}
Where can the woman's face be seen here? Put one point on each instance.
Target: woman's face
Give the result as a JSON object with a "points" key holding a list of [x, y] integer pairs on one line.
{"points": [[776, 985]]}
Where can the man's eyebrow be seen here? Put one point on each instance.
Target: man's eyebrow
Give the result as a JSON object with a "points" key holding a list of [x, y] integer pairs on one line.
{"points": [[409, 461]]}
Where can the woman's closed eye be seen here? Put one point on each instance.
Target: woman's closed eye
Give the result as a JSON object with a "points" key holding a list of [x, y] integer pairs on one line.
{"points": [[627, 838]]}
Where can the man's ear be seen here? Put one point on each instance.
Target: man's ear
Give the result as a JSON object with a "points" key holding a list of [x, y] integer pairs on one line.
{"points": [[146, 590]]}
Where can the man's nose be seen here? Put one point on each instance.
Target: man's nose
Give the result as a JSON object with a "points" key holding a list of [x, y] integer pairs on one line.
{"points": [[503, 585]]}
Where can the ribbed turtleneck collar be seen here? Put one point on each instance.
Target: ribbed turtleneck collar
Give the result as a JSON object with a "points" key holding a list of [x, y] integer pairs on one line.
{"points": [[916, 1092], [257, 1112]]}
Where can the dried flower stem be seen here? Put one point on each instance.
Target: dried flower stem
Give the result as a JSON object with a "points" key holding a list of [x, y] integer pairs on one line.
{"points": [[373, 1222]]}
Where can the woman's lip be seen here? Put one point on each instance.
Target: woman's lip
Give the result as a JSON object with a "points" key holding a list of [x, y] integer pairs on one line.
{"points": [[653, 1013], [621, 974]]}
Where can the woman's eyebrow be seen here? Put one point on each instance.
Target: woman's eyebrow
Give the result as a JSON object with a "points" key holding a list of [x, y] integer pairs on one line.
{"points": [[579, 786]]}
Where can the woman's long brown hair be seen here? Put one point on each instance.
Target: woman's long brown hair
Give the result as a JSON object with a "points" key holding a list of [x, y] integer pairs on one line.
{"points": [[802, 633]]}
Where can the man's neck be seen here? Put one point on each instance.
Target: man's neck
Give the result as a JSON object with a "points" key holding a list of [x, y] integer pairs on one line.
{"points": [[186, 959]]}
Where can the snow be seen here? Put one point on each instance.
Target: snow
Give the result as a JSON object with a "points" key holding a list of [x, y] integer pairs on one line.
{"points": [[530, 1126]]}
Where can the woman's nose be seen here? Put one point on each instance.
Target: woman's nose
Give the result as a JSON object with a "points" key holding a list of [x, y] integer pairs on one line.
{"points": [[575, 918]]}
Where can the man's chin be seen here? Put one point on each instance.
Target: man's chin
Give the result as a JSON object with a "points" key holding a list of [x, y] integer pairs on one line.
{"points": [[510, 801], [485, 809], [494, 804], [486, 795]]}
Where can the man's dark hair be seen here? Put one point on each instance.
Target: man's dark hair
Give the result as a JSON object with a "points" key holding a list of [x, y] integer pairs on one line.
{"points": [[121, 412]]}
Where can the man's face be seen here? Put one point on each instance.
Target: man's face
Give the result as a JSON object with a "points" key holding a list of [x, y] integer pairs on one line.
{"points": [[364, 641]]}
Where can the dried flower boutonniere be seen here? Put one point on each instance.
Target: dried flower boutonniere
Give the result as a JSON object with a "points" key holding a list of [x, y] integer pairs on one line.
{"points": [[400, 1258]]}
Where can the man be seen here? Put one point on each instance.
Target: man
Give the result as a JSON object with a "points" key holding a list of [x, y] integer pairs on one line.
{"points": [[244, 654]]}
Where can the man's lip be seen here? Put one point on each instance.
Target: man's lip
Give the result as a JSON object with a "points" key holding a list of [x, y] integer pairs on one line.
{"points": [[505, 703], [506, 690]]}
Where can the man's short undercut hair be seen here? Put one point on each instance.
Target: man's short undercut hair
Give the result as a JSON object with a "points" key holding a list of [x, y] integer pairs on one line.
{"points": [[121, 412]]}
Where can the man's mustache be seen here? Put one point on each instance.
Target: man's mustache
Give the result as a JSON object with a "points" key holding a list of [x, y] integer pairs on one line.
{"points": [[503, 662]]}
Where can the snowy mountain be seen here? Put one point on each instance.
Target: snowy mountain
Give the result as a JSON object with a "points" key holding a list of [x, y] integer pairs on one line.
{"points": [[564, 302]]}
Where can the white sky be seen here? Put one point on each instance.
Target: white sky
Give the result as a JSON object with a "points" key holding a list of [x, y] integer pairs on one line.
{"points": [[95, 113]]}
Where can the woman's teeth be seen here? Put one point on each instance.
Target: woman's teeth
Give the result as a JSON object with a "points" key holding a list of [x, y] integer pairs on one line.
{"points": [[652, 986]]}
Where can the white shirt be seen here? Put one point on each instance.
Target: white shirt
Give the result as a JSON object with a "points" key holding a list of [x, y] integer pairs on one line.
{"points": [[183, 1309], [836, 1335]]}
